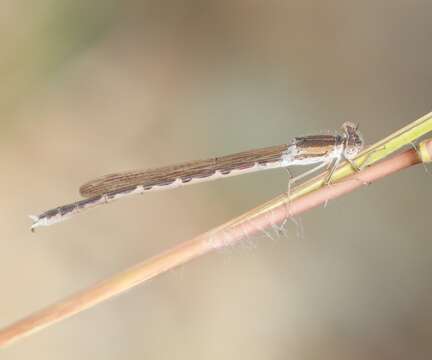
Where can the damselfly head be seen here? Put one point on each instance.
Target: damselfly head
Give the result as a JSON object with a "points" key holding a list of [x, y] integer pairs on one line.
{"points": [[353, 139]]}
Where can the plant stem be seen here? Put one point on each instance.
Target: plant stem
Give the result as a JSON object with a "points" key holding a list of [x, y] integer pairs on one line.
{"points": [[303, 198]]}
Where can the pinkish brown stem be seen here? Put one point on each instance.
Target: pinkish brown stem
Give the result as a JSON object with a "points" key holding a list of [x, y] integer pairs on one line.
{"points": [[228, 234]]}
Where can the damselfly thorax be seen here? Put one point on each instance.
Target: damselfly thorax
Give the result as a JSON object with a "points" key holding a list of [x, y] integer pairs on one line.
{"points": [[325, 150]]}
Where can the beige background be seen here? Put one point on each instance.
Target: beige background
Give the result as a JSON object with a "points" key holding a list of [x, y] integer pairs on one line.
{"points": [[94, 87]]}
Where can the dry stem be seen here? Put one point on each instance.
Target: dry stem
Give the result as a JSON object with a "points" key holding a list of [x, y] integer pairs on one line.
{"points": [[228, 234]]}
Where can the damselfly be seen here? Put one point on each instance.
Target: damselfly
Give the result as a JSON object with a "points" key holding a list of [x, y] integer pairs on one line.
{"points": [[324, 150]]}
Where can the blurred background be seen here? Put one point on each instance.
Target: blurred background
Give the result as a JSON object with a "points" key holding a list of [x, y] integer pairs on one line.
{"points": [[94, 87]]}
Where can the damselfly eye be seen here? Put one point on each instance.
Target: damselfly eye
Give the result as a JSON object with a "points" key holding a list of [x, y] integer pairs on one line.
{"points": [[349, 127]]}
